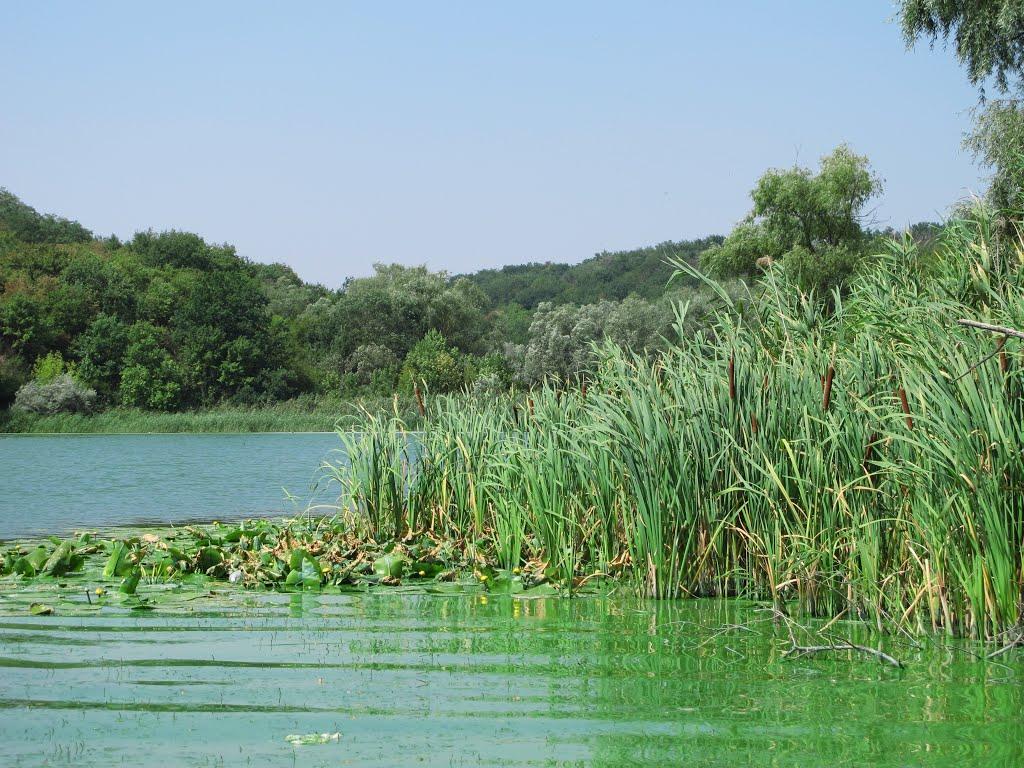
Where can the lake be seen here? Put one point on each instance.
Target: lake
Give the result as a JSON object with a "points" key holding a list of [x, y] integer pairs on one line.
{"points": [[474, 680], [57, 483]]}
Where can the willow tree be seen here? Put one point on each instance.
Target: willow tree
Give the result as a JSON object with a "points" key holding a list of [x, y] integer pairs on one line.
{"points": [[988, 36]]}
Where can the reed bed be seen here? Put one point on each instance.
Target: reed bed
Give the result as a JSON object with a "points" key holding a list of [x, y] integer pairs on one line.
{"points": [[847, 456]]}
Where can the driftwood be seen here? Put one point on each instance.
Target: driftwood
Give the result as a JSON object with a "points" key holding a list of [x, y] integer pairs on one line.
{"points": [[796, 650], [807, 650], [1019, 640]]}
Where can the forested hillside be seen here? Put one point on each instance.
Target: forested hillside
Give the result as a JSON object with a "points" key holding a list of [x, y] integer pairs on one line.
{"points": [[643, 272], [167, 321]]}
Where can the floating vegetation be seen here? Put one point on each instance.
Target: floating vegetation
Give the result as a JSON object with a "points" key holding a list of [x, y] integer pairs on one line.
{"points": [[135, 570]]}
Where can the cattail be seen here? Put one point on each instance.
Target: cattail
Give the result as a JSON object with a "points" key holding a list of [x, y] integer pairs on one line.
{"points": [[906, 407], [1004, 361], [827, 398], [419, 400], [732, 377], [753, 423]]}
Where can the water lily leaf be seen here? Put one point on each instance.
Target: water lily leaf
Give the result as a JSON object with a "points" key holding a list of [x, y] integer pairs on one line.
{"points": [[307, 575], [60, 561], [40, 609], [391, 566], [118, 563], [209, 557], [504, 583], [131, 582], [541, 590], [37, 558]]}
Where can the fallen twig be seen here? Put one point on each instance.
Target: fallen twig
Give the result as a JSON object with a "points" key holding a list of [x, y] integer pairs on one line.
{"points": [[846, 645], [1008, 647]]}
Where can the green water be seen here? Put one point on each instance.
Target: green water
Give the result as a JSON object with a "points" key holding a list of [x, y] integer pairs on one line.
{"points": [[473, 679]]}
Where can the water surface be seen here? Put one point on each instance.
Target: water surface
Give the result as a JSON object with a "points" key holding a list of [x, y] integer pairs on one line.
{"points": [[56, 483], [478, 680]]}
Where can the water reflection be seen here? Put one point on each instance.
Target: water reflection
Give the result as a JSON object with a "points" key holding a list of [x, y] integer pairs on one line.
{"points": [[471, 679]]}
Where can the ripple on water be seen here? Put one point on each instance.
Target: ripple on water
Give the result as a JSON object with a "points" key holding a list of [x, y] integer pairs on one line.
{"points": [[465, 680]]}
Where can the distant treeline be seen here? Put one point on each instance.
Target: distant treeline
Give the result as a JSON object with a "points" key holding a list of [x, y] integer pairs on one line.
{"points": [[168, 322], [643, 272]]}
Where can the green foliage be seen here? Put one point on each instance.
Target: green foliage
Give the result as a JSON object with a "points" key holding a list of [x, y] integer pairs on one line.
{"points": [[815, 219], [28, 226], [101, 349], [49, 367], [62, 394], [988, 34], [614, 276], [563, 339], [150, 377], [997, 142], [12, 376], [433, 365]]}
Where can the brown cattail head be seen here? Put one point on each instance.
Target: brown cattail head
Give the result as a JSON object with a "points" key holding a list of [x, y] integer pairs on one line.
{"points": [[732, 377], [419, 399], [902, 393], [753, 423], [827, 398], [1004, 361]]}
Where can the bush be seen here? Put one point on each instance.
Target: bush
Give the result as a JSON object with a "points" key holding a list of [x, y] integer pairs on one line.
{"points": [[50, 367], [62, 395]]}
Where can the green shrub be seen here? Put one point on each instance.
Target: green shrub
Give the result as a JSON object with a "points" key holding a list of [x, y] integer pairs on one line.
{"points": [[61, 395], [432, 363]]}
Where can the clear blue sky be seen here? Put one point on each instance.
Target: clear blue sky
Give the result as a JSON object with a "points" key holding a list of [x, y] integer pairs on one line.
{"points": [[460, 134]]}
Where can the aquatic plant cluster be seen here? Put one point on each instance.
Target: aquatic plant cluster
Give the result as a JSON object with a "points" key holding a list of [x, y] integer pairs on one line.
{"points": [[855, 455], [301, 553]]}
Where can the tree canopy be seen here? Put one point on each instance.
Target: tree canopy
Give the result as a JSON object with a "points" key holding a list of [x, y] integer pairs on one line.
{"points": [[988, 35], [815, 221]]}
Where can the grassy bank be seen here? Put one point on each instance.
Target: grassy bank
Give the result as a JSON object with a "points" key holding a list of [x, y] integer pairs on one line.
{"points": [[856, 457], [291, 416]]}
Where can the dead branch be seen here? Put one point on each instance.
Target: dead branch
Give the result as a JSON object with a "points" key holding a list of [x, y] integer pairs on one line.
{"points": [[1001, 330], [808, 650], [797, 650], [1019, 640]]}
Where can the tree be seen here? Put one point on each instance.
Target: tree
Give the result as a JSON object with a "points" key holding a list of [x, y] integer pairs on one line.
{"points": [[433, 364], [997, 142], [151, 378], [989, 40], [398, 306], [101, 350], [31, 227], [988, 35], [816, 216]]}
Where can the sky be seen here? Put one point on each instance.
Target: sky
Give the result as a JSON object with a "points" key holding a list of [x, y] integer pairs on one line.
{"points": [[462, 134]]}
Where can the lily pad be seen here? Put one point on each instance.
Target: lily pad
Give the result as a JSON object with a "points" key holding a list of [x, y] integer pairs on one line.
{"points": [[389, 566], [40, 609]]}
